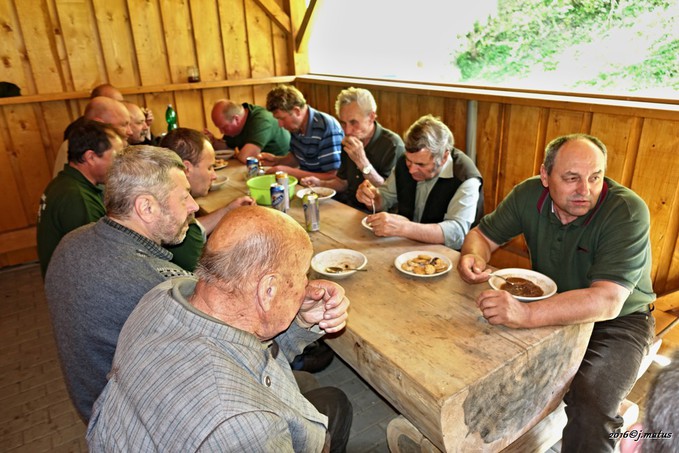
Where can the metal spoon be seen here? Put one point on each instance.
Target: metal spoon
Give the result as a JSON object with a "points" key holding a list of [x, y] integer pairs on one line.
{"points": [[338, 269], [501, 277]]}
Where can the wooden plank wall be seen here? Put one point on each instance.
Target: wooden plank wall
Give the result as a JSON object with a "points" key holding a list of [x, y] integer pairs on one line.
{"points": [[56, 51], [512, 132]]}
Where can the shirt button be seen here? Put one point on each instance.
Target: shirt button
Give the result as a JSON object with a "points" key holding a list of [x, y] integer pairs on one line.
{"points": [[267, 381]]}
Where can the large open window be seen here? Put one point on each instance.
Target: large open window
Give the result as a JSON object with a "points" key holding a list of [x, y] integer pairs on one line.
{"points": [[612, 47]]}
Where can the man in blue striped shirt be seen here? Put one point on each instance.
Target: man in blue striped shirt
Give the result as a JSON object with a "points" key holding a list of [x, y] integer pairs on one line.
{"points": [[316, 137]]}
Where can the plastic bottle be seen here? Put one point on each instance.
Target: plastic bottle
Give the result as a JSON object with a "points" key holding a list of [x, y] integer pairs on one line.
{"points": [[171, 118]]}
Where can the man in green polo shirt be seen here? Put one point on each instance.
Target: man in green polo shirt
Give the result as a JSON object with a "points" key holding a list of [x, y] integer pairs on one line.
{"points": [[591, 236], [250, 128], [74, 198]]}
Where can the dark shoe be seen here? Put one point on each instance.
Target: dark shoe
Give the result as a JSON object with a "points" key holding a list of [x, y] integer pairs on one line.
{"points": [[315, 357]]}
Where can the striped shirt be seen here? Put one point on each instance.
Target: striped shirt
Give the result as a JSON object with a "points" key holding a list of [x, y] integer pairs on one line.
{"points": [[184, 381], [319, 149]]}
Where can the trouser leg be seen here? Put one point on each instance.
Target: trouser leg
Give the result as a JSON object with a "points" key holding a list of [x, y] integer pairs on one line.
{"points": [[605, 377], [333, 403]]}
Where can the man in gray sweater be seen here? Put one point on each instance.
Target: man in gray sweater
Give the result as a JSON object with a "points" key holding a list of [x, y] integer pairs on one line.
{"points": [[99, 272]]}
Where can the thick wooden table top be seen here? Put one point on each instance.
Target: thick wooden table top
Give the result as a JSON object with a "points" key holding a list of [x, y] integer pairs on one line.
{"points": [[423, 344]]}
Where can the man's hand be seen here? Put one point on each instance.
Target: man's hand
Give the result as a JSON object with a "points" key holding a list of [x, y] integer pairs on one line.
{"points": [[311, 181], [324, 304], [289, 170], [472, 269], [241, 201], [369, 194], [385, 224], [267, 159], [500, 308], [354, 149], [148, 116]]}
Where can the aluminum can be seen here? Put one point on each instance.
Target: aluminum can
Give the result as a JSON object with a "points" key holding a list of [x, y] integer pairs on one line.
{"points": [[311, 212], [278, 197], [283, 180], [253, 167]]}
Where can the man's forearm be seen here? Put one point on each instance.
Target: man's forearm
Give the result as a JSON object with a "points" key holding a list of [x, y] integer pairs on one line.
{"points": [[430, 233], [600, 302], [476, 244]]}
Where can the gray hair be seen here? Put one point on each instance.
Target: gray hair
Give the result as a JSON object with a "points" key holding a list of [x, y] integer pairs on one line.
{"points": [[248, 259], [139, 170], [555, 145], [431, 133], [361, 96], [660, 413]]}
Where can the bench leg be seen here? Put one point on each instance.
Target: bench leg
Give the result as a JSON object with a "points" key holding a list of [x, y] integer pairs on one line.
{"points": [[403, 437]]}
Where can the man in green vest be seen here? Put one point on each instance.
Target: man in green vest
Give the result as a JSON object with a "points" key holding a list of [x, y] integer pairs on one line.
{"points": [[436, 186]]}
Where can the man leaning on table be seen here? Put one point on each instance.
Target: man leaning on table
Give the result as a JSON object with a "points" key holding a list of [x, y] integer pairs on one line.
{"points": [[99, 272], [370, 150], [315, 137], [250, 128], [202, 364], [591, 236], [436, 186], [198, 157]]}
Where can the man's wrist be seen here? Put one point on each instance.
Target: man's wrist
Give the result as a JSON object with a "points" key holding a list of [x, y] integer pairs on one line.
{"points": [[367, 169], [302, 323]]}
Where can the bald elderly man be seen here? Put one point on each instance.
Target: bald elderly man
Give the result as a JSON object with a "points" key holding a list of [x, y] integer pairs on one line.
{"points": [[140, 129], [203, 363], [106, 90], [250, 128], [104, 110]]}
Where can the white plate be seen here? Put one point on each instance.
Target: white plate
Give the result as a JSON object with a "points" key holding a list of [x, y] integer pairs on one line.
{"points": [[365, 223], [224, 153], [219, 182], [544, 282], [339, 258], [224, 163], [324, 193], [410, 255]]}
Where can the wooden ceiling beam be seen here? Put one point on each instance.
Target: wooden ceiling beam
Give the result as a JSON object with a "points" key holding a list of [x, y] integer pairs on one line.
{"points": [[302, 33], [276, 14]]}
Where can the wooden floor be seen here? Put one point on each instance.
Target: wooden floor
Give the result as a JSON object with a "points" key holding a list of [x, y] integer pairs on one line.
{"points": [[37, 416]]}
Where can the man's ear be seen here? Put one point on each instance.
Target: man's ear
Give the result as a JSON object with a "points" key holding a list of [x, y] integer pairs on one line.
{"points": [[631, 445], [188, 165], [544, 176], [145, 206], [267, 289], [88, 156]]}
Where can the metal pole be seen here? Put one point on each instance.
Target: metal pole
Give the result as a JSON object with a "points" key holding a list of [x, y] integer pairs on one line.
{"points": [[472, 117]]}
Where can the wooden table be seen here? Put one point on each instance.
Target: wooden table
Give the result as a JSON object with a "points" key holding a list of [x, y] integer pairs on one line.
{"points": [[424, 346]]}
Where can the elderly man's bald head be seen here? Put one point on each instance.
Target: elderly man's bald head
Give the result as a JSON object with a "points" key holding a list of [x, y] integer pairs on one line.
{"points": [[250, 242], [108, 90], [110, 111]]}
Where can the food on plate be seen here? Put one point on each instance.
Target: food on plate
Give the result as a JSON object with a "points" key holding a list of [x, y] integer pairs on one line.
{"points": [[425, 265], [518, 286], [219, 163]]}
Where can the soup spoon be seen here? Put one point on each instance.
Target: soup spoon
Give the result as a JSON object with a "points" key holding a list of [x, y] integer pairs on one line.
{"points": [[503, 278], [337, 269]]}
